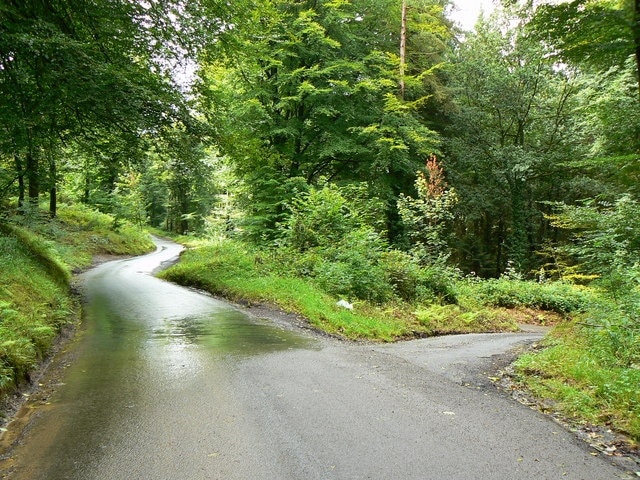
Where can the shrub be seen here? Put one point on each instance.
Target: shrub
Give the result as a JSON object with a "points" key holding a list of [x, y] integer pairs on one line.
{"points": [[438, 283], [555, 296], [449, 319], [351, 268], [402, 273], [612, 330], [319, 218], [429, 217]]}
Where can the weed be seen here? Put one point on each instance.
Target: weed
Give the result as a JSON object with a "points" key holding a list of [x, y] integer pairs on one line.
{"points": [[586, 384]]}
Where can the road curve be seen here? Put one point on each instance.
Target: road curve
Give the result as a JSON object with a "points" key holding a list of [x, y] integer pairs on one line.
{"points": [[172, 384]]}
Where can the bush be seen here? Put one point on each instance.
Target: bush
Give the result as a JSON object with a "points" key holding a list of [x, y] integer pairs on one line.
{"points": [[319, 218], [402, 273], [555, 296], [612, 330], [437, 283], [351, 268], [450, 319]]}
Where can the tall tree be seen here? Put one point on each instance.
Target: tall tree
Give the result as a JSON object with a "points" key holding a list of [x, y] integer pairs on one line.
{"points": [[69, 67], [311, 90], [510, 133], [598, 33]]}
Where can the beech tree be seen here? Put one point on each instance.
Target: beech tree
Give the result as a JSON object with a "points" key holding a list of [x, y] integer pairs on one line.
{"points": [[311, 90], [70, 69]]}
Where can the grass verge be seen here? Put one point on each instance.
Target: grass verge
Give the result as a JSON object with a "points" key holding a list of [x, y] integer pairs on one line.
{"points": [[241, 272], [37, 256], [585, 383]]}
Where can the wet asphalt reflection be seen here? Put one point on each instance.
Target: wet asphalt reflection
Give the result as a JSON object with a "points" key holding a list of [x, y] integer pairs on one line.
{"points": [[144, 341]]}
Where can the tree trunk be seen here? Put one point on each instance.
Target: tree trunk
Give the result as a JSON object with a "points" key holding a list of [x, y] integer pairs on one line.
{"points": [[21, 186], [31, 168], [53, 191], [403, 46], [86, 194], [500, 248], [636, 37]]}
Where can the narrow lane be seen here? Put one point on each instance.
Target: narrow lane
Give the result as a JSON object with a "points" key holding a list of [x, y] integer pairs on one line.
{"points": [[172, 384]]}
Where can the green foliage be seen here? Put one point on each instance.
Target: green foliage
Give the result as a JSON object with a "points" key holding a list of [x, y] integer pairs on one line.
{"points": [[453, 319], [319, 218], [33, 304], [610, 115], [593, 33], [42, 251], [607, 239], [81, 231], [513, 123], [83, 217], [552, 296], [240, 272], [266, 199], [37, 254], [403, 273], [351, 267], [428, 218], [340, 251], [310, 90], [79, 75], [331, 242], [590, 372]]}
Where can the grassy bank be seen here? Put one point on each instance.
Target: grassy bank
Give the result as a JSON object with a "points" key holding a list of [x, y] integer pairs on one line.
{"points": [[241, 272], [590, 372], [37, 257]]}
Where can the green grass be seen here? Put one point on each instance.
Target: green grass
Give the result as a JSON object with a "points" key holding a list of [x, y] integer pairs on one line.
{"points": [[34, 304], [37, 255], [237, 272], [587, 385], [453, 319], [240, 272]]}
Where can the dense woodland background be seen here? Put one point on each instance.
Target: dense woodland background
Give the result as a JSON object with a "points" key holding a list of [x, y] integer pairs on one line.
{"points": [[192, 114], [205, 116]]}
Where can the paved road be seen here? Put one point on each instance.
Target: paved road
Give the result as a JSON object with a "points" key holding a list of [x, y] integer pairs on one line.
{"points": [[170, 384]]}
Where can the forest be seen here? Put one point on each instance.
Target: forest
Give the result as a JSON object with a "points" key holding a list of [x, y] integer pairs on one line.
{"points": [[370, 148]]}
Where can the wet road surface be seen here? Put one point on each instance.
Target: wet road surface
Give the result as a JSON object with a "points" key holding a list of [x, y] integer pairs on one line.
{"points": [[172, 384]]}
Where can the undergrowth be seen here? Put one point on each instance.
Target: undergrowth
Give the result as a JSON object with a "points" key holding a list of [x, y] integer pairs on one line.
{"points": [[37, 256], [591, 365], [239, 271]]}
